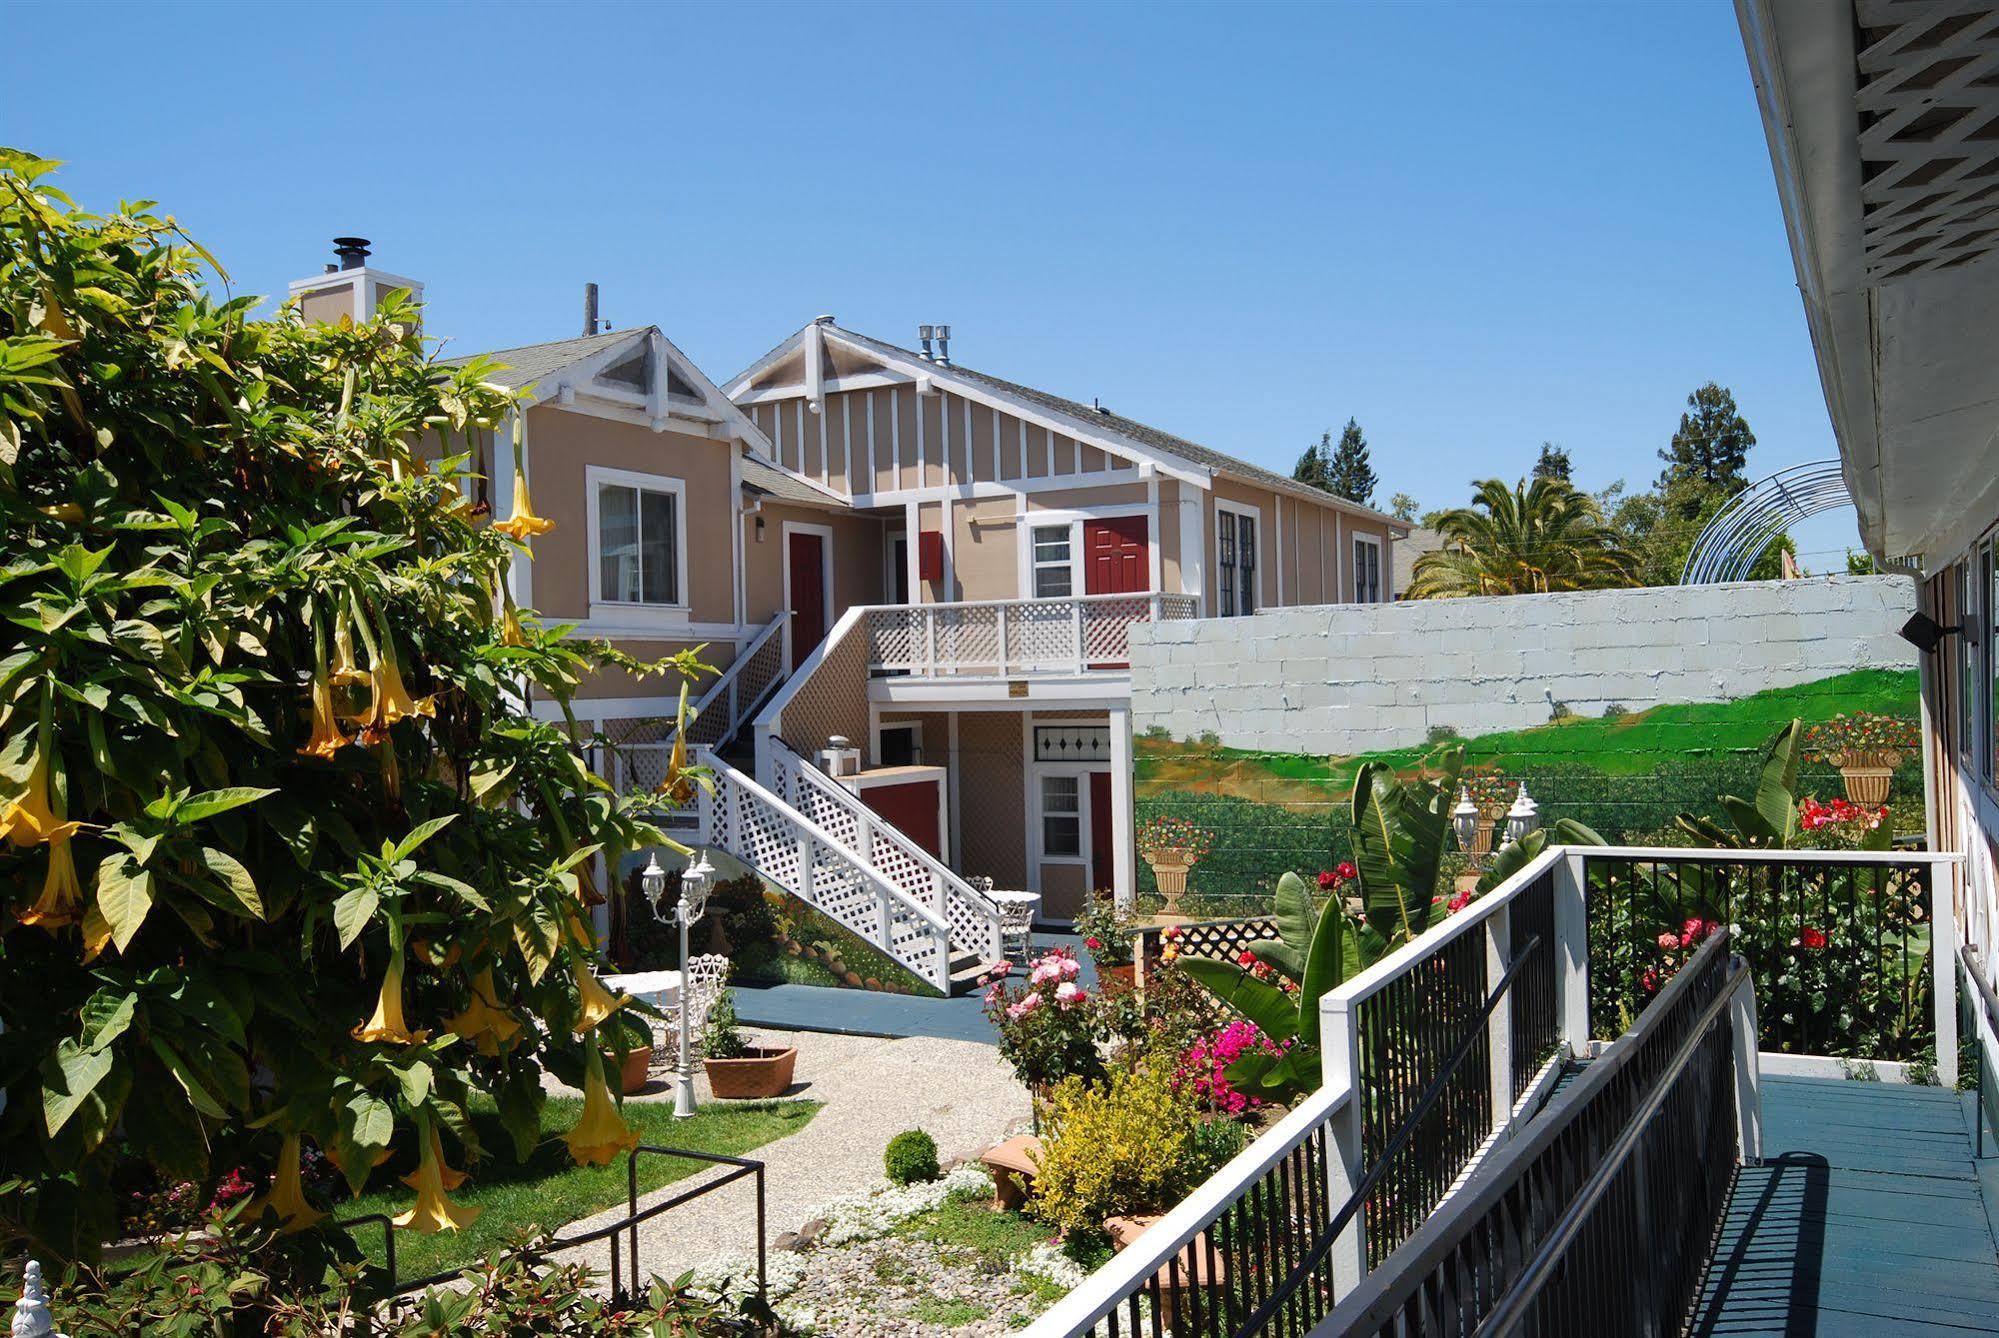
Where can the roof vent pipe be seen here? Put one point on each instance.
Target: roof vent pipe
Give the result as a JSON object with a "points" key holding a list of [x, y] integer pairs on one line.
{"points": [[944, 345], [589, 308], [923, 333], [353, 251]]}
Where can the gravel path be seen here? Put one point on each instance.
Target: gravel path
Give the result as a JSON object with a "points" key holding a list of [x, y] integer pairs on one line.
{"points": [[960, 1092]]}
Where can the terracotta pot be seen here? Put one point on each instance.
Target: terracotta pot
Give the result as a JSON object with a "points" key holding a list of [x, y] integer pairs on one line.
{"points": [[634, 1075], [760, 1073], [1867, 776], [1128, 973]]}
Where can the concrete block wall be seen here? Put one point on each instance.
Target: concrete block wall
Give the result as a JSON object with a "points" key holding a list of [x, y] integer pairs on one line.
{"points": [[1352, 678]]}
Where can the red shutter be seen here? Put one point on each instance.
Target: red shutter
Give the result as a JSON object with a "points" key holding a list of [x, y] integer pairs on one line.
{"points": [[930, 555]]}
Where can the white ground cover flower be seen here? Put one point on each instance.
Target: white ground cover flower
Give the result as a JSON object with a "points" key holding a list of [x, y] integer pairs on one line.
{"points": [[876, 1212], [1046, 1260]]}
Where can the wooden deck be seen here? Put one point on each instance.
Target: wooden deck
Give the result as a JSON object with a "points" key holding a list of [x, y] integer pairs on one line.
{"points": [[1866, 1218]]}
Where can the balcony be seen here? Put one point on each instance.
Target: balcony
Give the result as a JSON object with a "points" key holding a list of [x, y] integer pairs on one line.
{"points": [[1010, 639]]}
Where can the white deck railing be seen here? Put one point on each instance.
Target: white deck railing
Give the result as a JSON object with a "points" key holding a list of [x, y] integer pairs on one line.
{"points": [[725, 707], [1006, 638]]}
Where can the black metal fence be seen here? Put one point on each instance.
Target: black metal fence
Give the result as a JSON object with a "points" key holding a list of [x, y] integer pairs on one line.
{"points": [[1536, 1021], [1839, 951], [625, 1278], [1631, 1163]]}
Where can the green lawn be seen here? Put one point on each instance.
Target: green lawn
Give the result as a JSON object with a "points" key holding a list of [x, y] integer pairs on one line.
{"points": [[551, 1191]]}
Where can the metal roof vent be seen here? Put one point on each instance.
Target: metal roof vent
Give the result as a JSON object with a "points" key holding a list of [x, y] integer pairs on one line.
{"points": [[353, 251], [944, 345], [923, 333]]}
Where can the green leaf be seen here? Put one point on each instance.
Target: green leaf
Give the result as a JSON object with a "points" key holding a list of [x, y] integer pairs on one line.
{"points": [[1777, 787], [212, 802], [465, 892], [1270, 1008], [1325, 967], [1511, 858], [422, 832], [239, 889], [69, 1077], [124, 896], [199, 1095], [1295, 914], [105, 1016], [416, 1082], [352, 912]]}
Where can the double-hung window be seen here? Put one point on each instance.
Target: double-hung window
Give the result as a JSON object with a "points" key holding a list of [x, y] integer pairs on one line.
{"points": [[1054, 576], [639, 547], [1366, 569], [1235, 556], [1062, 817]]}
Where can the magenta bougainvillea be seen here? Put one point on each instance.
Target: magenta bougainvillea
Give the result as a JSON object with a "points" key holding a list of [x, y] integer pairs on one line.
{"points": [[1203, 1069]]}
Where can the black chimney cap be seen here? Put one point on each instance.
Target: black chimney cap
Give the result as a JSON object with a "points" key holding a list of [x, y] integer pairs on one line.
{"points": [[353, 251]]}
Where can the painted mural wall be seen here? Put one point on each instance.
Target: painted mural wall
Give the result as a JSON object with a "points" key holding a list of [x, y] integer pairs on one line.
{"points": [[1620, 709]]}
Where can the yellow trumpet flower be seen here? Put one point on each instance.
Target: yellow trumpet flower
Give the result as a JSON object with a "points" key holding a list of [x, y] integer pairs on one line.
{"points": [[346, 671], [432, 1212], [29, 820], [487, 1026], [600, 1135], [61, 902], [391, 700], [327, 736], [598, 1003], [523, 524], [287, 1196], [678, 786], [510, 625], [446, 1177], [387, 1023]]}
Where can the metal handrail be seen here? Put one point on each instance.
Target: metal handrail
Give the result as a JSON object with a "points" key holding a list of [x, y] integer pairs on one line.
{"points": [[1967, 962]]}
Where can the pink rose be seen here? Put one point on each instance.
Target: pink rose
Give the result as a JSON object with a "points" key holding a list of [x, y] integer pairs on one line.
{"points": [[1669, 940], [1068, 994]]}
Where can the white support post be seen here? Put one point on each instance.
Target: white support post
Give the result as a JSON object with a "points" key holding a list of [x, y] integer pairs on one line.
{"points": [[1124, 870], [806, 887], [1572, 953], [1000, 623], [1499, 1026], [1748, 1073], [1076, 630], [930, 641], [884, 922], [1339, 1037], [1943, 970]]}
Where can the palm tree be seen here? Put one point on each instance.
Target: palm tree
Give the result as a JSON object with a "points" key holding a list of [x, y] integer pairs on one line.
{"points": [[1527, 539]]}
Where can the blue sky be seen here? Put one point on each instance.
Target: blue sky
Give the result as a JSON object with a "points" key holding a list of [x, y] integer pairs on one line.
{"points": [[1473, 227]]}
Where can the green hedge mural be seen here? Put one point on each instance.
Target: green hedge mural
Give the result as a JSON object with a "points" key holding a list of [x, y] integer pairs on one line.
{"points": [[1624, 773]]}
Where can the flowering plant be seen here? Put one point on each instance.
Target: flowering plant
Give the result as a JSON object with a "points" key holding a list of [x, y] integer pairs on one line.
{"points": [[1045, 1026], [1491, 789], [1844, 825], [1203, 1069], [1106, 932], [1860, 732], [1167, 834]]}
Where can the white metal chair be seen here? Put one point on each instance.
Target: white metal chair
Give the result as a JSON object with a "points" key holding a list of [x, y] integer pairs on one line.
{"points": [[1016, 916], [701, 984]]}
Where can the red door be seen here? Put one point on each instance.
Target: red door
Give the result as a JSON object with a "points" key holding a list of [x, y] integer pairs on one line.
{"points": [[1101, 834], [911, 808], [806, 556], [1114, 559]]}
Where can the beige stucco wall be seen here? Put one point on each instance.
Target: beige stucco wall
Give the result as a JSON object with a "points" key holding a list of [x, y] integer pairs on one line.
{"points": [[857, 558], [992, 822], [561, 445], [985, 548], [328, 305]]}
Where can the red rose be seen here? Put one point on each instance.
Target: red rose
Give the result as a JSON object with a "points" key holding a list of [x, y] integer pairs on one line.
{"points": [[1245, 958], [1346, 871], [1812, 938], [1093, 943], [1327, 879]]}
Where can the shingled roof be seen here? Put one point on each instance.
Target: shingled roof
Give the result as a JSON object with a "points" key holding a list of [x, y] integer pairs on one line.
{"points": [[1142, 433], [531, 362]]}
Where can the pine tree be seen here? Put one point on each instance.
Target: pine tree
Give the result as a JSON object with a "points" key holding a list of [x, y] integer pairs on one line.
{"points": [[1710, 450], [1553, 464], [1404, 507], [1348, 473], [1312, 466]]}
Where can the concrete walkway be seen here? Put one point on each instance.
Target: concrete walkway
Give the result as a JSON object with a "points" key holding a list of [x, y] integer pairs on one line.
{"points": [[959, 1092]]}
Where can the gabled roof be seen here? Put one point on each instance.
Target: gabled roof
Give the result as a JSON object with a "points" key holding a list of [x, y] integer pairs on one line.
{"points": [[531, 362], [1089, 418], [762, 477]]}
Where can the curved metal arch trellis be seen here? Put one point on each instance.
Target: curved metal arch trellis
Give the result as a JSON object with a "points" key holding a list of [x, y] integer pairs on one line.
{"points": [[1728, 547]]}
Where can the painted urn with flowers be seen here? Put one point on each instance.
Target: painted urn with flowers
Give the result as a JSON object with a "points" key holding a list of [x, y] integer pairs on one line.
{"points": [[1866, 748], [1172, 847]]}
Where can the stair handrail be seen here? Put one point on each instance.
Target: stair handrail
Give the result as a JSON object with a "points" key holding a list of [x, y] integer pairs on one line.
{"points": [[724, 774], [953, 884], [738, 710]]}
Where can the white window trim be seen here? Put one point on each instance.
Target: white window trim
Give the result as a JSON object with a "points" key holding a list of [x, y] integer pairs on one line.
{"points": [[1073, 530], [1380, 570], [621, 612], [1029, 519], [1255, 514], [1081, 771], [881, 727]]}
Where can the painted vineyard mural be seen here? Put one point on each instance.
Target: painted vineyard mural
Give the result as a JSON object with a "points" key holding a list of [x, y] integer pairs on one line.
{"points": [[1252, 815]]}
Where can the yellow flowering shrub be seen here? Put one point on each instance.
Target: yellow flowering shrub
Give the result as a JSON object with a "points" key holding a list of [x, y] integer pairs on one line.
{"points": [[1116, 1150]]}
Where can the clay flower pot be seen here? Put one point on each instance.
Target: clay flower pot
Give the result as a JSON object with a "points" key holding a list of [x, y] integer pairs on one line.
{"points": [[1867, 775], [760, 1073], [638, 1064]]}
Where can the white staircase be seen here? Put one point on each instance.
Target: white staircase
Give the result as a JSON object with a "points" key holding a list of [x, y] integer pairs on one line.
{"points": [[731, 699], [849, 864]]}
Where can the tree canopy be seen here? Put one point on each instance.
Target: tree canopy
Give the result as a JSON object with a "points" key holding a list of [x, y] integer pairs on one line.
{"points": [[1710, 450], [1526, 539], [1553, 463], [1339, 468], [288, 857]]}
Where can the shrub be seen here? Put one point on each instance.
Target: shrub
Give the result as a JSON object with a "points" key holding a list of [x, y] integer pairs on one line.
{"points": [[1116, 1150], [1213, 1145], [1106, 932], [1046, 1026], [721, 1037], [911, 1156]]}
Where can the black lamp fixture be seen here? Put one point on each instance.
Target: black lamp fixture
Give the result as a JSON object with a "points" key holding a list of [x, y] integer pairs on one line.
{"points": [[1926, 633]]}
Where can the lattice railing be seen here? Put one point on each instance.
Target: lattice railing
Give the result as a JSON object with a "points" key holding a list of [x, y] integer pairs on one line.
{"points": [[819, 868], [974, 917], [1008, 637], [729, 700], [1218, 940]]}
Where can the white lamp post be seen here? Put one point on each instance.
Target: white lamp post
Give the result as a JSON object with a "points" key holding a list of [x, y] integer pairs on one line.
{"points": [[693, 901], [1523, 817], [1464, 820]]}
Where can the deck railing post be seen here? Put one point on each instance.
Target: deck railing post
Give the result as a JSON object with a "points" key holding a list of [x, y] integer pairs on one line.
{"points": [[1076, 630], [1943, 970], [1571, 947], [1339, 1035], [1748, 1073], [999, 625], [1499, 1023]]}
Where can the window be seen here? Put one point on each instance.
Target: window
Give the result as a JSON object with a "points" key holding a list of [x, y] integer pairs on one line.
{"points": [[638, 543], [1053, 575], [1366, 569], [1235, 555], [1062, 817]]}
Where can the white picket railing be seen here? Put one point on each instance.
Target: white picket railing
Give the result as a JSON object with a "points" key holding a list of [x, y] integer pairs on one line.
{"points": [[783, 845], [974, 917], [1005, 638], [726, 705]]}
